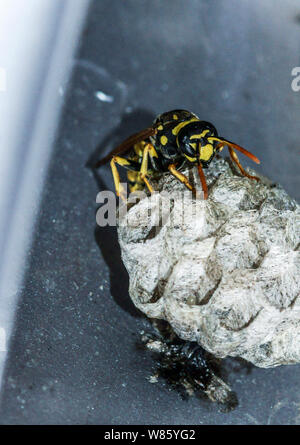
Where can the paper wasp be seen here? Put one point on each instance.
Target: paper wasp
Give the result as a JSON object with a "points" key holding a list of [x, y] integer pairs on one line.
{"points": [[176, 139]]}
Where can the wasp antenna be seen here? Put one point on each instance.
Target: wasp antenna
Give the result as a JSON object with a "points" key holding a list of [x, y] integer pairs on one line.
{"points": [[237, 147], [244, 151]]}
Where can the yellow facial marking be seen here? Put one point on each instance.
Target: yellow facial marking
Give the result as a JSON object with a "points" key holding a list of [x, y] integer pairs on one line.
{"points": [[175, 117], [163, 140], [199, 136], [160, 127], [206, 152], [181, 125], [191, 159], [194, 145]]}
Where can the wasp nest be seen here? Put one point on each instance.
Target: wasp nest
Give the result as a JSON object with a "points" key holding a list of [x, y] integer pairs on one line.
{"points": [[223, 272]]}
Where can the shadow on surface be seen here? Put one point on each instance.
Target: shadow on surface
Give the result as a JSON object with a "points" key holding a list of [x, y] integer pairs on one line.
{"points": [[107, 237]]}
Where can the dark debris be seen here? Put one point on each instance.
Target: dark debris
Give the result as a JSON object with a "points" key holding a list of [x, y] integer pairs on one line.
{"points": [[187, 368]]}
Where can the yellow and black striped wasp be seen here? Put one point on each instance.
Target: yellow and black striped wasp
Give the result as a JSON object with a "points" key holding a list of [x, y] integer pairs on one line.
{"points": [[176, 139]]}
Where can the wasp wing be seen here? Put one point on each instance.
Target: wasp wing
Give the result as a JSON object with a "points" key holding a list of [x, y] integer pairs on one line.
{"points": [[126, 145]]}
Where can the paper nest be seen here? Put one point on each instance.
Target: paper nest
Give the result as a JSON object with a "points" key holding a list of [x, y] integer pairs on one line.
{"points": [[223, 272]]}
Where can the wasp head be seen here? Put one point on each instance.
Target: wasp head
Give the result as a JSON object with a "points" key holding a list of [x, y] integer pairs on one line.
{"points": [[197, 141]]}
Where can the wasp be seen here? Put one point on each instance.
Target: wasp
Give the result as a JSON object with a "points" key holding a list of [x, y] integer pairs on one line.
{"points": [[176, 139]]}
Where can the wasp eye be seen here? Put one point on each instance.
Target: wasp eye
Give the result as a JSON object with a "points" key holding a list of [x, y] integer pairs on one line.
{"points": [[188, 149]]}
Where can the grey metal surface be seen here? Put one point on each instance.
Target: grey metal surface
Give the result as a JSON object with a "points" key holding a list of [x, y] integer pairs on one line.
{"points": [[73, 355]]}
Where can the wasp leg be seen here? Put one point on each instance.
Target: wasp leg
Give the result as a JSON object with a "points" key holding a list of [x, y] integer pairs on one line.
{"points": [[149, 150], [235, 159], [120, 191], [203, 181], [182, 178], [135, 181]]}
